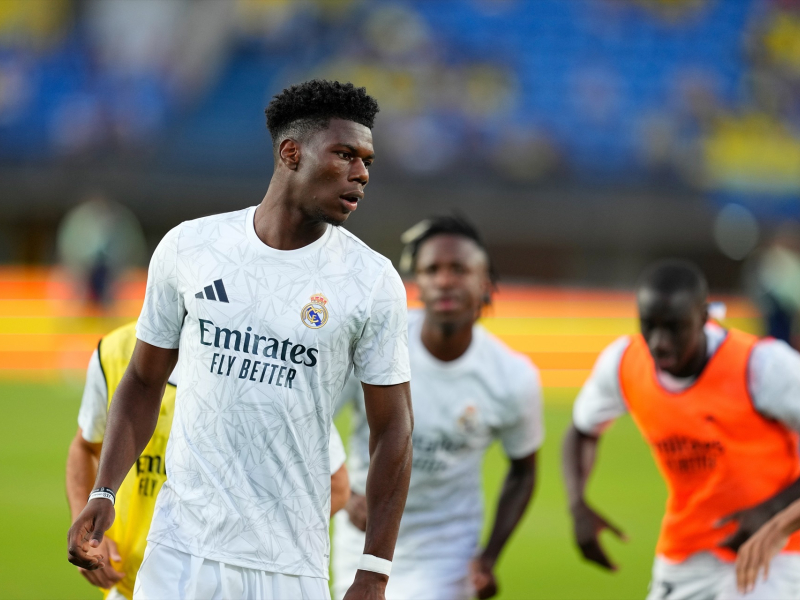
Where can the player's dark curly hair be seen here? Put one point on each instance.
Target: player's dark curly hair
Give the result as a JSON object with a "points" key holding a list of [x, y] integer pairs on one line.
{"points": [[673, 275], [307, 107], [442, 225]]}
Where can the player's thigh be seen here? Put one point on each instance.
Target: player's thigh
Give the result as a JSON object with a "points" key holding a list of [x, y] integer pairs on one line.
{"points": [[166, 573], [700, 577], [277, 586], [783, 582]]}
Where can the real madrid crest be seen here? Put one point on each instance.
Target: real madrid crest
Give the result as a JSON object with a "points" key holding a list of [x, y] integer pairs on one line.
{"points": [[468, 421], [315, 314]]}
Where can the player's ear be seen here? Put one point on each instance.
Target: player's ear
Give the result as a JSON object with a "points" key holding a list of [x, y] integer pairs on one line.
{"points": [[486, 298], [289, 153]]}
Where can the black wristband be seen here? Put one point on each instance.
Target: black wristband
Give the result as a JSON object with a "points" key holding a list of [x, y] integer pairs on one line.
{"points": [[103, 492]]}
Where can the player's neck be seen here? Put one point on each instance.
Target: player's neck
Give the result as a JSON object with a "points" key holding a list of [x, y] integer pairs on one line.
{"points": [[697, 363], [446, 341], [280, 223]]}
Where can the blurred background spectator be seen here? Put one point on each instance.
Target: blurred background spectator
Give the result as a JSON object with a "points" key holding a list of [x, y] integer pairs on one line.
{"points": [[587, 137], [778, 284], [98, 240]]}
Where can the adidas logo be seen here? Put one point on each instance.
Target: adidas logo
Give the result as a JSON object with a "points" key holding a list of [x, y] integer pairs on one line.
{"points": [[209, 292]]}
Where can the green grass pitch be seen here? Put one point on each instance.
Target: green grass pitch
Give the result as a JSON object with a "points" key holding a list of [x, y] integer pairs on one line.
{"points": [[39, 421]]}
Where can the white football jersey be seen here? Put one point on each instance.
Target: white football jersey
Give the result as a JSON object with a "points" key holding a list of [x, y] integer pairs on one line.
{"points": [[267, 341], [460, 408]]}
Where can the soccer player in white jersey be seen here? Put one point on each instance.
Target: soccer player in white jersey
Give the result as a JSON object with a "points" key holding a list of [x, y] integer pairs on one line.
{"points": [[106, 367], [468, 389], [272, 308]]}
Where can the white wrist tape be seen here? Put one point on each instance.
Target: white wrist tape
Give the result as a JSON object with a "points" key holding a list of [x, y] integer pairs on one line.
{"points": [[367, 562], [103, 492]]}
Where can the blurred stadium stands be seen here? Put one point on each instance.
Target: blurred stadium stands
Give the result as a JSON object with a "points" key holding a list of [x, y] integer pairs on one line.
{"points": [[47, 331], [586, 136]]}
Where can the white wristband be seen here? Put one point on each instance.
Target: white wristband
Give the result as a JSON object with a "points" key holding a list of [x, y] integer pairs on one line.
{"points": [[103, 493], [367, 562]]}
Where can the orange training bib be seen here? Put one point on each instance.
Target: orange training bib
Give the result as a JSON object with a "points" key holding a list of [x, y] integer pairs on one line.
{"points": [[715, 451]]}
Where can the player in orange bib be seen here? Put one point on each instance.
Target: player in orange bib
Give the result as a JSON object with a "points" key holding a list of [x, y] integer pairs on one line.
{"points": [[719, 410]]}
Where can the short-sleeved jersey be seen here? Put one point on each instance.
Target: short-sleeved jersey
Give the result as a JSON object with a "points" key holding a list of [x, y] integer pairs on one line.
{"points": [[773, 381], [267, 340], [460, 408], [136, 496]]}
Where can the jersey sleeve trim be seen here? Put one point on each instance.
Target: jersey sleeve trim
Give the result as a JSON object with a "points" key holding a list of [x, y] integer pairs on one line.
{"points": [[535, 446], [619, 374], [601, 399], [100, 362], [144, 339], [93, 411]]}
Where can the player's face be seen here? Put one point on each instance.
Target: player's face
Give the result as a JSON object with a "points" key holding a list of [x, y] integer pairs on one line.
{"points": [[672, 325], [334, 170], [453, 280]]}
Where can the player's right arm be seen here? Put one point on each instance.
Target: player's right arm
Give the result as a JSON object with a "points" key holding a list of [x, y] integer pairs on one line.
{"points": [[131, 422], [82, 460], [84, 451], [134, 411], [598, 403]]}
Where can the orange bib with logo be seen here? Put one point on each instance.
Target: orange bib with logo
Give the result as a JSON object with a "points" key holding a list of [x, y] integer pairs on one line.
{"points": [[715, 451]]}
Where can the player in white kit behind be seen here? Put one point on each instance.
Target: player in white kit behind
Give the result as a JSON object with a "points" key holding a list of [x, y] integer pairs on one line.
{"points": [[272, 308], [468, 389]]}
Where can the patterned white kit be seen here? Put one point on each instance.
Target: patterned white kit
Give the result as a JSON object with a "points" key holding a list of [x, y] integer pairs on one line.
{"points": [[703, 576], [267, 341], [774, 385], [460, 408]]}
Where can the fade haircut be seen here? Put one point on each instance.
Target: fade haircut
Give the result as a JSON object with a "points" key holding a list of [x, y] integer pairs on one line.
{"points": [[671, 276], [442, 225], [308, 107]]}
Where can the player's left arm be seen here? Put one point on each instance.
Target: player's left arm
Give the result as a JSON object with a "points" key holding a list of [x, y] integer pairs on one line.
{"points": [[381, 363], [517, 492], [774, 379], [391, 422]]}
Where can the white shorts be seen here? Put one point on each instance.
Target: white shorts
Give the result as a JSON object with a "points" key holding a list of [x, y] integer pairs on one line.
{"points": [[703, 576], [438, 579], [115, 594], [169, 574]]}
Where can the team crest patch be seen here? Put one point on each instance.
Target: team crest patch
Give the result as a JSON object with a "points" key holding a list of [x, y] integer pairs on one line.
{"points": [[468, 421], [315, 314]]}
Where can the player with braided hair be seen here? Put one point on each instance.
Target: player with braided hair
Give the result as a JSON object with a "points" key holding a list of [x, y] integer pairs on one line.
{"points": [[272, 307], [468, 390]]}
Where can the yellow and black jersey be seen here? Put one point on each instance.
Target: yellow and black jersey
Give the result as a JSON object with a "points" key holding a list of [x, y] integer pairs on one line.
{"points": [[136, 496]]}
